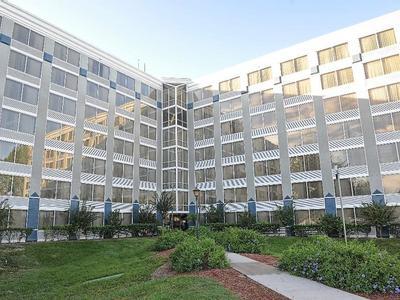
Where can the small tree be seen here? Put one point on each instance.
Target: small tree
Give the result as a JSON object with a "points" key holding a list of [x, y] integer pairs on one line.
{"points": [[146, 214], [246, 219], [378, 215], [285, 215], [82, 219], [164, 204], [331, 225], [5, 220]]}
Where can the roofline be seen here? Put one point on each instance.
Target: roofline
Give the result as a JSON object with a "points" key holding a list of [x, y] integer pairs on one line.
{"points": [[29, 20]]}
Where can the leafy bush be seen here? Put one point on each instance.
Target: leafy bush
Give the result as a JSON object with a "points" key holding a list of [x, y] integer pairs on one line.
{"points": [[246, 219], [331, 225], [169, 239], [356, 267], [306, 230], [240, 240], [380, 216], [261, 227], [193, 255], [394, 229]]}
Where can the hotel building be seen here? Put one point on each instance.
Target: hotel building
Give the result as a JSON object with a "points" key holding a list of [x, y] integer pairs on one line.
{"points": [[77, 124]]}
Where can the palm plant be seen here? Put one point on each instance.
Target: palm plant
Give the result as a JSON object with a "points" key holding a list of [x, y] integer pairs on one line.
{"points": [[164, 204]]}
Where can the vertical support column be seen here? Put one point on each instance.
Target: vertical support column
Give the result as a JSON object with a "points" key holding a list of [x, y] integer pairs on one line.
{"points": [[107, 211], [367, 125], [192, 211], [135, 211], [283, 143], [159, 146], [251, 205], [248, 150], [5, 41], [322, 136], [191, 155], [218, 148], [136, 144], [80, 118], [110, 140], [221, 213], [74, 207], [38, 148]]}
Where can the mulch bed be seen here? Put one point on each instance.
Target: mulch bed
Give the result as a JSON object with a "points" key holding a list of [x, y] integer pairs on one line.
{"points": [[266, 259], [231, 279], [381, 296]]}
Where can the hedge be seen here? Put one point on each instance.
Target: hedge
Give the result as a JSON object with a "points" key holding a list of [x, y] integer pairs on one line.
{"points": [[265, 228], [14, 234]]}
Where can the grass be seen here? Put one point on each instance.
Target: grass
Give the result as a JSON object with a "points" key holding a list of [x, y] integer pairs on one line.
{"points": [[69, 269]]}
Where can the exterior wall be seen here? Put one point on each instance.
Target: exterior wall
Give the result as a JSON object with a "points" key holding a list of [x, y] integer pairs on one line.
{"points": [[140, 190]]}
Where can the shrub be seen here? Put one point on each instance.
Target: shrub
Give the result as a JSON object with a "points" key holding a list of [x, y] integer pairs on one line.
{"points": [[265, 228], [240, 240], [169, 239], [380, 216], [306, 230], [356, 267], [193, 255], [330, 225]]}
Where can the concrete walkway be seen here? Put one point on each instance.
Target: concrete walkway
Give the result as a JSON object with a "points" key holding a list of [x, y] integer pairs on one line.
{"points": [[285, 284]]}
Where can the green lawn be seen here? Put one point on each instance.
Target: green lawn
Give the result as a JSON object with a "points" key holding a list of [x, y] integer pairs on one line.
{"points": [[62, 269]]}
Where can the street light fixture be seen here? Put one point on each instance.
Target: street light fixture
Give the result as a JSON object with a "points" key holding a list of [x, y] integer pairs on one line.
{"points": [[341, 202], [196, 193]]}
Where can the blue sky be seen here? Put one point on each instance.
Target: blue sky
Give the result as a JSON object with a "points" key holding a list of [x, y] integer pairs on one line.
{"points": [[193, 38]]}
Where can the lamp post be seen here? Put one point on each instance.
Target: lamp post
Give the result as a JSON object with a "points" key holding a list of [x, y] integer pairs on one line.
{"points": [[196, 193], [341, 202]]}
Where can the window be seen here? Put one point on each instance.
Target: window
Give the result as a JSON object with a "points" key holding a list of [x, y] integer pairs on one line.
{"points": [[59, 132], [269, 193], [52, 189], [265, 143], [146, 197], [387, 122], [92, 192], [231, 127], [263, 120], [148, 111], [181, 117], [304, 163], [28, 37], [294, 65], [15, 153], [181, 137], [305, 190], [379, 40], [235, 171], [232, 149], [123, 147], [181, 95], [384, 94], [207, 197], [93, 165], [64, 79], [25, 64], [99, 69], [235, 195], [21, 92], [125, 81], [122, 170], [66, 54], [14, 185], [257, 99], [202, 93], [57, 160], [344, 130], [336, 78], [17, 121], [356, 186], [231, 105], [125, 102], [122, 195], [389, 152], [62, 105], [337, 52], [205, 175], [391, 183], [382, 66], [97, 91], [298, 88], [269, 167], [259, 76], [348, 158], [95, 115], [148, 91], [229, 85], [203, 113], [204, 153], [146, 174], [148, 131], [169, 179], [204, 133], [124, 124], [147, 152], [94, 140], [300, 112], [340, 103], [302, 137], [169, 137]]}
